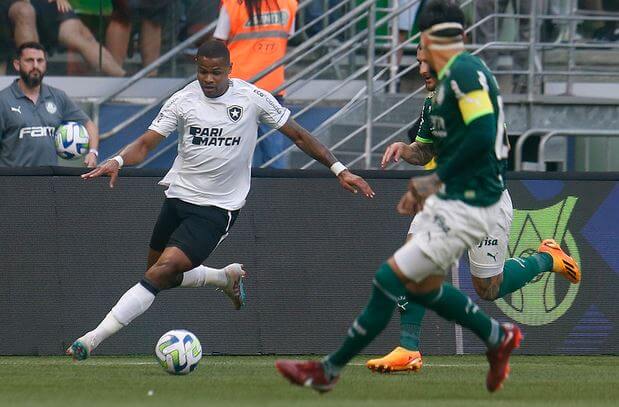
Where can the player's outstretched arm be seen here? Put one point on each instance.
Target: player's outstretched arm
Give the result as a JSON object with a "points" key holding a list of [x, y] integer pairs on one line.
{"points": [[131, 154], [315, 149], [415, 153]]}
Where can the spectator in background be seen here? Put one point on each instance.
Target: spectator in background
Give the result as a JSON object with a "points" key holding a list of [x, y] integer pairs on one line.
{"points": [[609, 31], [30, 112], [199, 14], [603, 31], [316, 9], [406, 20], [151, 14], [487, 33], [58, 24], [257, 34], [17, 25]]}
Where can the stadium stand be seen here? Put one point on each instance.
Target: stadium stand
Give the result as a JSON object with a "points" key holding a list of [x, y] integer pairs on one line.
{"points": [[568, 63]]}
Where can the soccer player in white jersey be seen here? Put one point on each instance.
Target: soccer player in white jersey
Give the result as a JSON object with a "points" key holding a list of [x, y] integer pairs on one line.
{"points": [[217, 119]]}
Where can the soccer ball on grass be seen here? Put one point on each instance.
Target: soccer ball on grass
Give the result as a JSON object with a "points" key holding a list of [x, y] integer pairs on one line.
{"points": [[178, 351]]}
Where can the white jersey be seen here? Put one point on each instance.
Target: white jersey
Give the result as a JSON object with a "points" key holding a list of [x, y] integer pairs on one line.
{"points": [[216, 141]]}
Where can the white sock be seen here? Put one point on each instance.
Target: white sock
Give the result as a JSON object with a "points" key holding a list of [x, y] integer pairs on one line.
{"points": [[131, 305], [202, 276], [108, 327]]}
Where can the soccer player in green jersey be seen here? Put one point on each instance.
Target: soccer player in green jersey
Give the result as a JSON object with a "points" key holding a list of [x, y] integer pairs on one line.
{"points": [[457, 205], [493, 275]]}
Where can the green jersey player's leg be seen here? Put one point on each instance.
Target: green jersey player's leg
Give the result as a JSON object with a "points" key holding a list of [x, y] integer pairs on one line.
{"points": [[458, 205], [493, 275]]}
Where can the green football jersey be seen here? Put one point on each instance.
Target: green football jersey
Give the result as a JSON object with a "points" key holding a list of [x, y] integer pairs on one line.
{"points": [[424, 134], [467, 90]]}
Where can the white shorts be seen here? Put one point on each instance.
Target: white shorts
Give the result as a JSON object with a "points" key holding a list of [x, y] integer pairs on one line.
{"points": [[406, 19], [488, 256], [443, 231]]}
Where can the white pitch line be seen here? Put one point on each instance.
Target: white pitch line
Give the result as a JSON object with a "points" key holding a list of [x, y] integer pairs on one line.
{"points": [[206, 361], [70, 362]]}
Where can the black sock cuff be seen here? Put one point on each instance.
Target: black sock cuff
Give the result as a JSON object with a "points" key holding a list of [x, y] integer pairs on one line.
{"points": [[149, 286]]}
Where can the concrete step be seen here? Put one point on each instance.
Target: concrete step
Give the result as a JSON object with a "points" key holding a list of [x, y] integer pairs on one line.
{"points": [[594, 58], [546, 111]]}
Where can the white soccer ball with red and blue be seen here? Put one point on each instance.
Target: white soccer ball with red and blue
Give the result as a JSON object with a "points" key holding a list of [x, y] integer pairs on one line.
{"points": [[178, 351], [71, 140]]}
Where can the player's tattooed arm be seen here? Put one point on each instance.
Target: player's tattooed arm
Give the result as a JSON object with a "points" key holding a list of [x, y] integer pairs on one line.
{"points": [[488, 288], [415, 153], [315, 149], [422, 153], [133, 153]]}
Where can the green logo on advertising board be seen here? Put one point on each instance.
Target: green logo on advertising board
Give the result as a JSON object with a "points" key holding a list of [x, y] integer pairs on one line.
{"points": [[544, 299]]}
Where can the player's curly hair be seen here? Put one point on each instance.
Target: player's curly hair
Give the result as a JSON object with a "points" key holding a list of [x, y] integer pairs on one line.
{"points": [[214, 49]]}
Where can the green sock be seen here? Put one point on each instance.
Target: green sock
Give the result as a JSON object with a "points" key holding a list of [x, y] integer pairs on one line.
{"points": [[373, 319], [518, 271], [451, 304], [411, 315]]}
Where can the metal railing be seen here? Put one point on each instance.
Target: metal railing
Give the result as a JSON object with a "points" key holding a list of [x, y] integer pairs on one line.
{"points": [[163, 59], [547, 134], [344, 42], [362, 37], [534, 70]]}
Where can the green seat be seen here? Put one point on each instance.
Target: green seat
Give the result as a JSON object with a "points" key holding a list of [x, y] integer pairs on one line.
{"points": [[92, 7]]}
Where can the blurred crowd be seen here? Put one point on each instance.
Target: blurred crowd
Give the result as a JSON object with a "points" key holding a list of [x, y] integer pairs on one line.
{"points": [[106, 32]]}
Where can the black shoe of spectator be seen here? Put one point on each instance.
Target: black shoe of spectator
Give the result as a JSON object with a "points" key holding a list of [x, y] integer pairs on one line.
{"points": [[606, 34]]}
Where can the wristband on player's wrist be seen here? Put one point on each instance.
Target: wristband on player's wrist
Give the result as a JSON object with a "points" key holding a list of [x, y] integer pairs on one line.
{"points": [[337, 168], [119, 160], [94, 151]]}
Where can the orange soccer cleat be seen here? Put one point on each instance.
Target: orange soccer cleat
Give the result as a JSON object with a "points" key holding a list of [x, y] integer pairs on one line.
{"points": [[561, 262], [399, 360]]}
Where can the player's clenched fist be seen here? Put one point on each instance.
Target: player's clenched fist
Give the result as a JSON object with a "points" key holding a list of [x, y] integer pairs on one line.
{"points": [[419, 189]]}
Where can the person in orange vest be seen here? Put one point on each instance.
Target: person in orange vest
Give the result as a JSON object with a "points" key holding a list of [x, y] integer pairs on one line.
{"points": [[256, 32]]}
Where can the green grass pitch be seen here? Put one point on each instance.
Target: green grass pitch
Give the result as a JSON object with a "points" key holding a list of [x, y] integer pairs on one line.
{"points": [[252, 381]]}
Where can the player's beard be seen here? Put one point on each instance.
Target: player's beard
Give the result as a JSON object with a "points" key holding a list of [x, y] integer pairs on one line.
{"points": [[431, 86], [30, 78], [430, 83]]}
